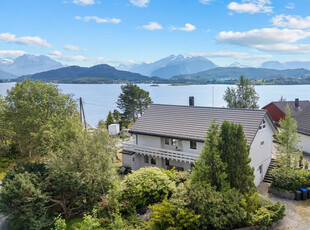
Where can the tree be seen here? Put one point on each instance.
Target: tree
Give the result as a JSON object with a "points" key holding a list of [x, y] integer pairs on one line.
{"points": [[288, 140], [235, 154], [210, 169], [110, 119], [116, 115], [29, 106], [133, 101], [244, 96]]}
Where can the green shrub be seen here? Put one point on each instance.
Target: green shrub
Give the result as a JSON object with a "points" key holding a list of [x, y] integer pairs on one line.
{"points": [[290, 179], [146, 186]]}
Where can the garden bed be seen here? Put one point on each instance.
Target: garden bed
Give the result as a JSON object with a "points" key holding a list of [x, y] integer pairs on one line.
{"points": [[282, 194]]}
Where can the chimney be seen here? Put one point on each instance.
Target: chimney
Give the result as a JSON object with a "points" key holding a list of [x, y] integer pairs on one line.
{"points": [[297, 102], [191, 101]]}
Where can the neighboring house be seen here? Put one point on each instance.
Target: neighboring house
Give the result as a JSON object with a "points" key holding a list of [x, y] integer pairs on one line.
{"points": [[303, 128], [170, 136], [277, 109]]}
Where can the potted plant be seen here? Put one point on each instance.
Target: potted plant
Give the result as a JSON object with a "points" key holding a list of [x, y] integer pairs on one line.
{"points": [[306, 164]]}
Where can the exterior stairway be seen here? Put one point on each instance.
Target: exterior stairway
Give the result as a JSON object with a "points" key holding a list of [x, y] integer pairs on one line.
{"points": [[268, 178]]}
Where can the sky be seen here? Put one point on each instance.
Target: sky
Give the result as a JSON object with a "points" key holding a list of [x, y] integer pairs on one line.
{"points": [[89, 32]]}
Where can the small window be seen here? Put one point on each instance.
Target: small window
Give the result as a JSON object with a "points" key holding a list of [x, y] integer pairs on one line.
{"points": [[146, 159], [260, 169], [167, 162], [167, 141], [153, 160], [262, 125], [262, 143], [193, 145]]}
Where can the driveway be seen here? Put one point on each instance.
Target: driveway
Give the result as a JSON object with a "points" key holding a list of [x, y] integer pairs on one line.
{"points": [[297, 214]]}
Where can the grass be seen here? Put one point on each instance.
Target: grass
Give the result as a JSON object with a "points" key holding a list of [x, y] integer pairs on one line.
{"points": [[74, 223]]}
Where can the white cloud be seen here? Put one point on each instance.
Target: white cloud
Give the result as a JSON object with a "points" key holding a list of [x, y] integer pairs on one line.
{"points": [[55, 53], [291, 21], [140, 3], [290, 6], [265, 36], [152, 26], [84, 2], [205, 1], [12, 53], [232, 54], [187, 27], [73, 48], [251, 6], [98, 20], [27, 40], [268, 39]]}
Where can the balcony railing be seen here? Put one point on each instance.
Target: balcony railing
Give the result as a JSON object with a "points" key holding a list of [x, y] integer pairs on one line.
{"points": [[160, 152]]}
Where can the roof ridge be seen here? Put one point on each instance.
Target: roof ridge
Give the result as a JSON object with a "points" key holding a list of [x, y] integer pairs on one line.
{"points": [[210, 107]]}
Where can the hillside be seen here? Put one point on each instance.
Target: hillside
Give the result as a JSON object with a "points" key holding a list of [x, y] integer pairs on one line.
{"points": [[73, 73], [5, 75], [227, 73]]}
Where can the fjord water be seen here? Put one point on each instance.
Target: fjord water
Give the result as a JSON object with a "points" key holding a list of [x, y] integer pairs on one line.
{"points": [[100, 98]]}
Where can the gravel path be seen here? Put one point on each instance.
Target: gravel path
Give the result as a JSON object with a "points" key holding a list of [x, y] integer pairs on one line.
{"points": [[297, 214]]}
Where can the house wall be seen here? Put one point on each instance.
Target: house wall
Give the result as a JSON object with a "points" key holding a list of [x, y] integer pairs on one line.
{"points": [[261, 155], [305, 143], [126, 160], [149, 141]]}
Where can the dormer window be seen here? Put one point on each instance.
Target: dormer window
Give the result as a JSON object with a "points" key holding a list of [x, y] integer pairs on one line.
{"points": [[262, 125]]}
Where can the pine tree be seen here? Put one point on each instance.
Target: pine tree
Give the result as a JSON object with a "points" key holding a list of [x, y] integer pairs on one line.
{"points": [[210, 169], [110, 119], [288, 140], [235, 154]]}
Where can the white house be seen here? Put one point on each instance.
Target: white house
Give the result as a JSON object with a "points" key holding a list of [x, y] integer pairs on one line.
{"points": [[168, 136], [303, 121]]}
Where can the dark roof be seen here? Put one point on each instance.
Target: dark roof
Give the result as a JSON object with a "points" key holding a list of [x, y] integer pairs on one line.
{"points": [[192, 122], [303, 121], [294, 111]]}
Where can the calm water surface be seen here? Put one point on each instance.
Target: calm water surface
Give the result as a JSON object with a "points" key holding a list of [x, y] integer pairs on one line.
{"points": [[100, 98]]}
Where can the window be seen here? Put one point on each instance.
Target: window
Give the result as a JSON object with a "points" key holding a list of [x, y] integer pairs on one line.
{"points": [[260, 169], [193, 145], [153, 160], [146, 159], [167, 162], [262, 125], [167, 141], [174, 142], [262, 143]]}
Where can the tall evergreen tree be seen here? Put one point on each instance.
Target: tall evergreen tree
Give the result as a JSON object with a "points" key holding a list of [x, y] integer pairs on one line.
{"points": [[244, 96], [110, 119], [288, 140], [210, 169], [235, 153], [133, 101]]}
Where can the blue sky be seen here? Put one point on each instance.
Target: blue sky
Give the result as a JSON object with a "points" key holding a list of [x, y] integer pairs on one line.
{"points": [[88, 32]]}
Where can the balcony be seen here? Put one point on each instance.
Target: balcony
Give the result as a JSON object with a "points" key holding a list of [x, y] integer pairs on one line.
{"points": [[160, 152]]}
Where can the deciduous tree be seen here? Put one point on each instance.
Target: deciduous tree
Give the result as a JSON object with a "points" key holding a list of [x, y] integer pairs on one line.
{"points": [[244, 96]]}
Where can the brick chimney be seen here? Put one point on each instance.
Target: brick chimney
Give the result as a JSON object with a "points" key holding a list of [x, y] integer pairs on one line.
{"points": [[297, 102]]}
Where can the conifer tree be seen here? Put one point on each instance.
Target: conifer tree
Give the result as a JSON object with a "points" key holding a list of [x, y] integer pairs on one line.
{"points": [[210, 169], [235, 154], [110, 119], [288, 140]]}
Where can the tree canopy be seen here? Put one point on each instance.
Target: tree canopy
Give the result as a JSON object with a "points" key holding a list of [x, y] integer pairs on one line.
{"points": [[133, 101], [244, 96], [32, 107]]}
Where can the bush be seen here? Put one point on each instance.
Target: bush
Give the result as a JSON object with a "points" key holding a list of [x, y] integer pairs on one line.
{"points": [[146, 186], [168, 216], [290, 179]]}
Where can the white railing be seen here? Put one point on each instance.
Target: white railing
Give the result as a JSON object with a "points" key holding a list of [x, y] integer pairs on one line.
{"points": [[160, 152]]}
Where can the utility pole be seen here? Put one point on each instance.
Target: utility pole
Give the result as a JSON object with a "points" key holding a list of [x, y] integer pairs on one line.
{"points": [[82, 113]]}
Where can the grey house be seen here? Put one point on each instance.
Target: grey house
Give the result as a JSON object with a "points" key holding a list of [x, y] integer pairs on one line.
{"points": [[168, 136]]}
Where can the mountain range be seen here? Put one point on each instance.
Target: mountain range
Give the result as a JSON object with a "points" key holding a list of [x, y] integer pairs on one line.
{"points": [[80, 74], [227, 73], [171, 66], [27, 64], [286, 65]]}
